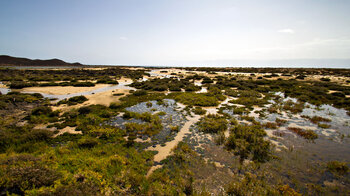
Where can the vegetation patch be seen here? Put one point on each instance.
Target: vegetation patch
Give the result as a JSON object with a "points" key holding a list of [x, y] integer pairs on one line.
{"points": [[175, 177], [250, 101], [212, 124], [340, 168], [73, 100], [248, 141], [43, 115], [199, 111], [307, 134], [270, 125], [152, 126], [198, 99], [323, 125]]}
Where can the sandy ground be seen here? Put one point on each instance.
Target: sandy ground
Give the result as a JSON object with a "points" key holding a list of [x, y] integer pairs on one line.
{"points": [[104, 98], [62, 90], [3, 86]]}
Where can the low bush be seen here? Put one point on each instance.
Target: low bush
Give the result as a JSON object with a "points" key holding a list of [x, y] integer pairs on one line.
{"points": [[87, 142], [270, 125], [106, 80], [293, 107], [140, 93], [280, 121], [174, 128], [199, 111], [248, 140], [340, 168], [20, 177], [19, 85], [250, 101], [323, 126], [73, 100], [78, 99], [42, 110], [279, 133], [307, 134], [220, 138], [212, 124], [197, 99], [317, 119], [118, 94]]}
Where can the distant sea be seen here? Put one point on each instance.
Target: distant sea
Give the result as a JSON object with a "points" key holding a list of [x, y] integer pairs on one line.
{"points": [[283, 63], [277, 63]]}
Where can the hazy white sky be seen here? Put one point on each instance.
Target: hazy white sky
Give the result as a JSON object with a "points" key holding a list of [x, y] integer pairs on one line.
{"points": [[179, 32]]}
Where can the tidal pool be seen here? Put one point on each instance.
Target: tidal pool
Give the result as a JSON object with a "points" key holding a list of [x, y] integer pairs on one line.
{"points": [[172, 117]]}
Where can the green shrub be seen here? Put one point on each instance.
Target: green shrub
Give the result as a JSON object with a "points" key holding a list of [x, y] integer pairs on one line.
{"points": [[307, 134], [73, 100], [87, 142], [198, 99], [19, 85], [340, 168], [140, 93], [249, 101], [24, 172], [323, 126], [220, 138], [252, 184], [199, 111], [246, 140], [161, 113], [280, 122], [77, 99], [317, 119], [192, 87], [37, 135], [270, 125], [212, 124], [115, 105], [118, 94], [174, 128], [293, 107], [149, 104], [42, 110]]}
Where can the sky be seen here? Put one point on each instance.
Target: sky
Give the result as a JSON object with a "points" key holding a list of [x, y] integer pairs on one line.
{"points": [[282, 33]]}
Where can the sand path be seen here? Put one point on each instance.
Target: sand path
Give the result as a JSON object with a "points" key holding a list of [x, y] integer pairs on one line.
{"points": [[164, 151]]}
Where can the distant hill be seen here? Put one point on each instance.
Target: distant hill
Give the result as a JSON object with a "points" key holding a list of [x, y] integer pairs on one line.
{"points": [[9, 60]]}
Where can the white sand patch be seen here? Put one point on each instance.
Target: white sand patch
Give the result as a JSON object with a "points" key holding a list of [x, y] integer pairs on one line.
{"points": [[142, 141], [63, 90], [70, 130], [328, 132], [302, 127]]}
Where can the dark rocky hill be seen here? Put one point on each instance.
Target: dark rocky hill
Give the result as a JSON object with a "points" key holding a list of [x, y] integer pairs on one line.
{"points": [[9, 60]]}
